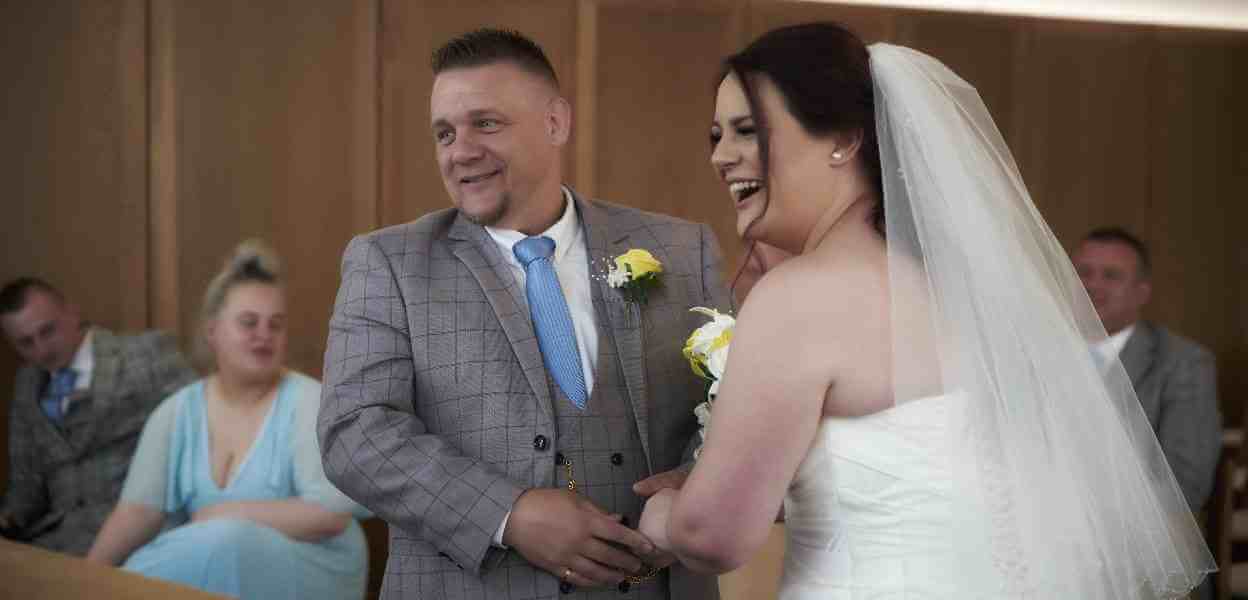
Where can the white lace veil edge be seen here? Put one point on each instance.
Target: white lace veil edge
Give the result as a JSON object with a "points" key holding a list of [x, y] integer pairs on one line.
{"points": [[1059, 487]]}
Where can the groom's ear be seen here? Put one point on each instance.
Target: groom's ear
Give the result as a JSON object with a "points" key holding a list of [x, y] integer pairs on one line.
{"points": [[845, 146], [559, 121]]}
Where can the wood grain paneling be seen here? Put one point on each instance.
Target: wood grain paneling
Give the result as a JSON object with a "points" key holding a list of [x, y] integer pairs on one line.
{"points": [[274, 136], [1196, 212], [870, 23], [73, 175], [71, 160], [411, 31], [655, 96], [1079, 136]]}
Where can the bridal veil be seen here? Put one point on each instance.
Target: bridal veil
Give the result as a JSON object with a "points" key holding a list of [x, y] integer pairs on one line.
{"points": [[1062, 488]]}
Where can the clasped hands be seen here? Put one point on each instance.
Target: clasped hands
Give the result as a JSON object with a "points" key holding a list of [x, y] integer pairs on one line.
{"points": [[574, 539]]}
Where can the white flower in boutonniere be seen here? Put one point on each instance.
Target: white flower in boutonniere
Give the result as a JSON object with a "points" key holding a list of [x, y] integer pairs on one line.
{"points": [[707, 353], [633, 273]]}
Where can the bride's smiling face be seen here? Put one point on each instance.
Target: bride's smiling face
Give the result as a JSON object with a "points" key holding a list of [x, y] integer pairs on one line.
{"points": [[736, 154], [780, 203]]}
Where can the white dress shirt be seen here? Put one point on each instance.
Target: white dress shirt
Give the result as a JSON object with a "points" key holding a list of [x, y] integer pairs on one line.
{"points": [[84, 365], [571, 261], [1108, 349]]}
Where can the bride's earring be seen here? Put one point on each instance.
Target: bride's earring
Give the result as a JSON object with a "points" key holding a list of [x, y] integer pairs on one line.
{"points": [[837, 155]]}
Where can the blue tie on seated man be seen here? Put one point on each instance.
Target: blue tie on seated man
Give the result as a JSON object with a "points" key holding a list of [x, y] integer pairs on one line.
{"points": [[78, 405]]}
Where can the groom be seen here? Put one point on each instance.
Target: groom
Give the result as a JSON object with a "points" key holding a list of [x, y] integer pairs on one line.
{"points": [[487, 392]]}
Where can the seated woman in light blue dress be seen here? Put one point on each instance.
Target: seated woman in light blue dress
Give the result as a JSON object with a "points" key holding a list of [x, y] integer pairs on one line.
{"points": [[226, 492]]}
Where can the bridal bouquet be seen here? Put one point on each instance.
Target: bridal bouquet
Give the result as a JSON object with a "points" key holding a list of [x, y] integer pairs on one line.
{"points": [[707, 353]]}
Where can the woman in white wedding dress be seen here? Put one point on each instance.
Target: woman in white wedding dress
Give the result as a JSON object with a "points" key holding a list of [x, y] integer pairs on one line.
{"points": [[914, 385]]}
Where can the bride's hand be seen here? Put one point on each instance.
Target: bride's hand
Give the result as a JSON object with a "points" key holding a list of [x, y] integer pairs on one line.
{"points": [[668, 479], [655, 516]]}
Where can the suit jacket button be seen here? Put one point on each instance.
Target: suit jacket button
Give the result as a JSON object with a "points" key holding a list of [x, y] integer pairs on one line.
{"points": [[617, 459], [623, 587], [565, 587], [540, 443]]}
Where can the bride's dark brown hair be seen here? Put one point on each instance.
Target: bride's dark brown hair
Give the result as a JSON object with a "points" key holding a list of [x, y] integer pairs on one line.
{"points": [[822, 71]]}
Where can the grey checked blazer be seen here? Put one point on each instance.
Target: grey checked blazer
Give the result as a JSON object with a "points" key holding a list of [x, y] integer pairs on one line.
{"points": [[436, 412], [1176, 381], [64, 480]]}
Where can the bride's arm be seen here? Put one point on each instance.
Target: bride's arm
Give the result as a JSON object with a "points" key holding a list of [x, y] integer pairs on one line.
{"points": [[763, 422]]}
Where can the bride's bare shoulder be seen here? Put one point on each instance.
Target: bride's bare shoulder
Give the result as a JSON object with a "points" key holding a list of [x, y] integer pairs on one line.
{"points": [[828, 286]]}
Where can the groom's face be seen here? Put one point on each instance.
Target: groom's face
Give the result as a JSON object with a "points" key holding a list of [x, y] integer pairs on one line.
{"points": [[498, 130]]}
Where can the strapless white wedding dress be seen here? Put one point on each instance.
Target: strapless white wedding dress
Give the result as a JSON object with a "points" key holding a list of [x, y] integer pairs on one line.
{"points": [[868, 515]]}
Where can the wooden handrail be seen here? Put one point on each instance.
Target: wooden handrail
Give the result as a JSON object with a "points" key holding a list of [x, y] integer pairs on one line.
{"points": [[33, 573]]}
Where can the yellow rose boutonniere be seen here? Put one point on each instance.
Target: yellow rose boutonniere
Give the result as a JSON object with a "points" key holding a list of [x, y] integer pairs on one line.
{"points": [[633, 273]]}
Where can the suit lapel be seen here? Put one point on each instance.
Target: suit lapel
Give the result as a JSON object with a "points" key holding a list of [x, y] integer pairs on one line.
{"points": [[480, 254], [1137, 354], [90, 408], [623, 318], [28, 387]]}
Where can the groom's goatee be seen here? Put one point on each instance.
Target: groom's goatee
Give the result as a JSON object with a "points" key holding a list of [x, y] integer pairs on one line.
{"points": [[488, 219]]}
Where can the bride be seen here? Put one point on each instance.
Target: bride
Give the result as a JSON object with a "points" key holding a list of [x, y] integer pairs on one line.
{"points": [[915, 385]]}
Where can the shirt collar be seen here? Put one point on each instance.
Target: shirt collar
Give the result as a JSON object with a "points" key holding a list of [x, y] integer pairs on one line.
{"points": [[84, 359], [1112, 346], [566, 232]]}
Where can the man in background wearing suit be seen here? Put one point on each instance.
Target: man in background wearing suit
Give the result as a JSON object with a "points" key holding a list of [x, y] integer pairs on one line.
{"points": [[479, 365], [1174, 377], [78, 406]]}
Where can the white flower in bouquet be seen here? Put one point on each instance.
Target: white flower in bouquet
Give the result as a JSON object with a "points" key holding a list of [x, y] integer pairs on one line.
{"points": [[707, 347], [707, 353], [703, 412]]}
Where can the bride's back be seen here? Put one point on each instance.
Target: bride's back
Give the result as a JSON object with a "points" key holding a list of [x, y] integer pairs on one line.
{"points": [[844, 291]]}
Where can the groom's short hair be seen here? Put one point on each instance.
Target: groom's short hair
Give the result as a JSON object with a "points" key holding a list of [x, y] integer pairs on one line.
{"points": [[488, 46], [1122, 236]]}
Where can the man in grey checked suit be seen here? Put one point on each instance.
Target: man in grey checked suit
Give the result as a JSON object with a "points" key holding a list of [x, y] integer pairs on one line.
{"points": [[78, 407], [1174, 377], [439, 412]]}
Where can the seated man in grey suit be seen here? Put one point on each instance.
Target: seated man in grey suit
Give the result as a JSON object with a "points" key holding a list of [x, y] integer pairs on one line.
{"points": [[487, 391], [1173, 376], [77, 409]]}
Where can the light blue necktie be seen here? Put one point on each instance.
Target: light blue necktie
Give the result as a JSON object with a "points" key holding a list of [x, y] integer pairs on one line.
{"points": [[61, 386], [551, 318]]}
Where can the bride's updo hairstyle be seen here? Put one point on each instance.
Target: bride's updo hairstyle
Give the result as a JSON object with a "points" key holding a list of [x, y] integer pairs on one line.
{"points": [[823, 72], [251, 262]]}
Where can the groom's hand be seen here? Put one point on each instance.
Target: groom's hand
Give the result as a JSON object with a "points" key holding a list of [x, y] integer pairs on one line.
{"points": [[558, 531]]}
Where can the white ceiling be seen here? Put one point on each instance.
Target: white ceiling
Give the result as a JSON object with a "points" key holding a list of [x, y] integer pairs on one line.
{"points": [[1214, 14]]}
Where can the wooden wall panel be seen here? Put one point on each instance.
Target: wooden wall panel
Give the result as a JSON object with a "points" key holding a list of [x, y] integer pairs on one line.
{"points": [[411, 31], [982, 50], [1196, 182], [1080, 143], [71, 161], [273, 136], [655, 97], [872, 24]]}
